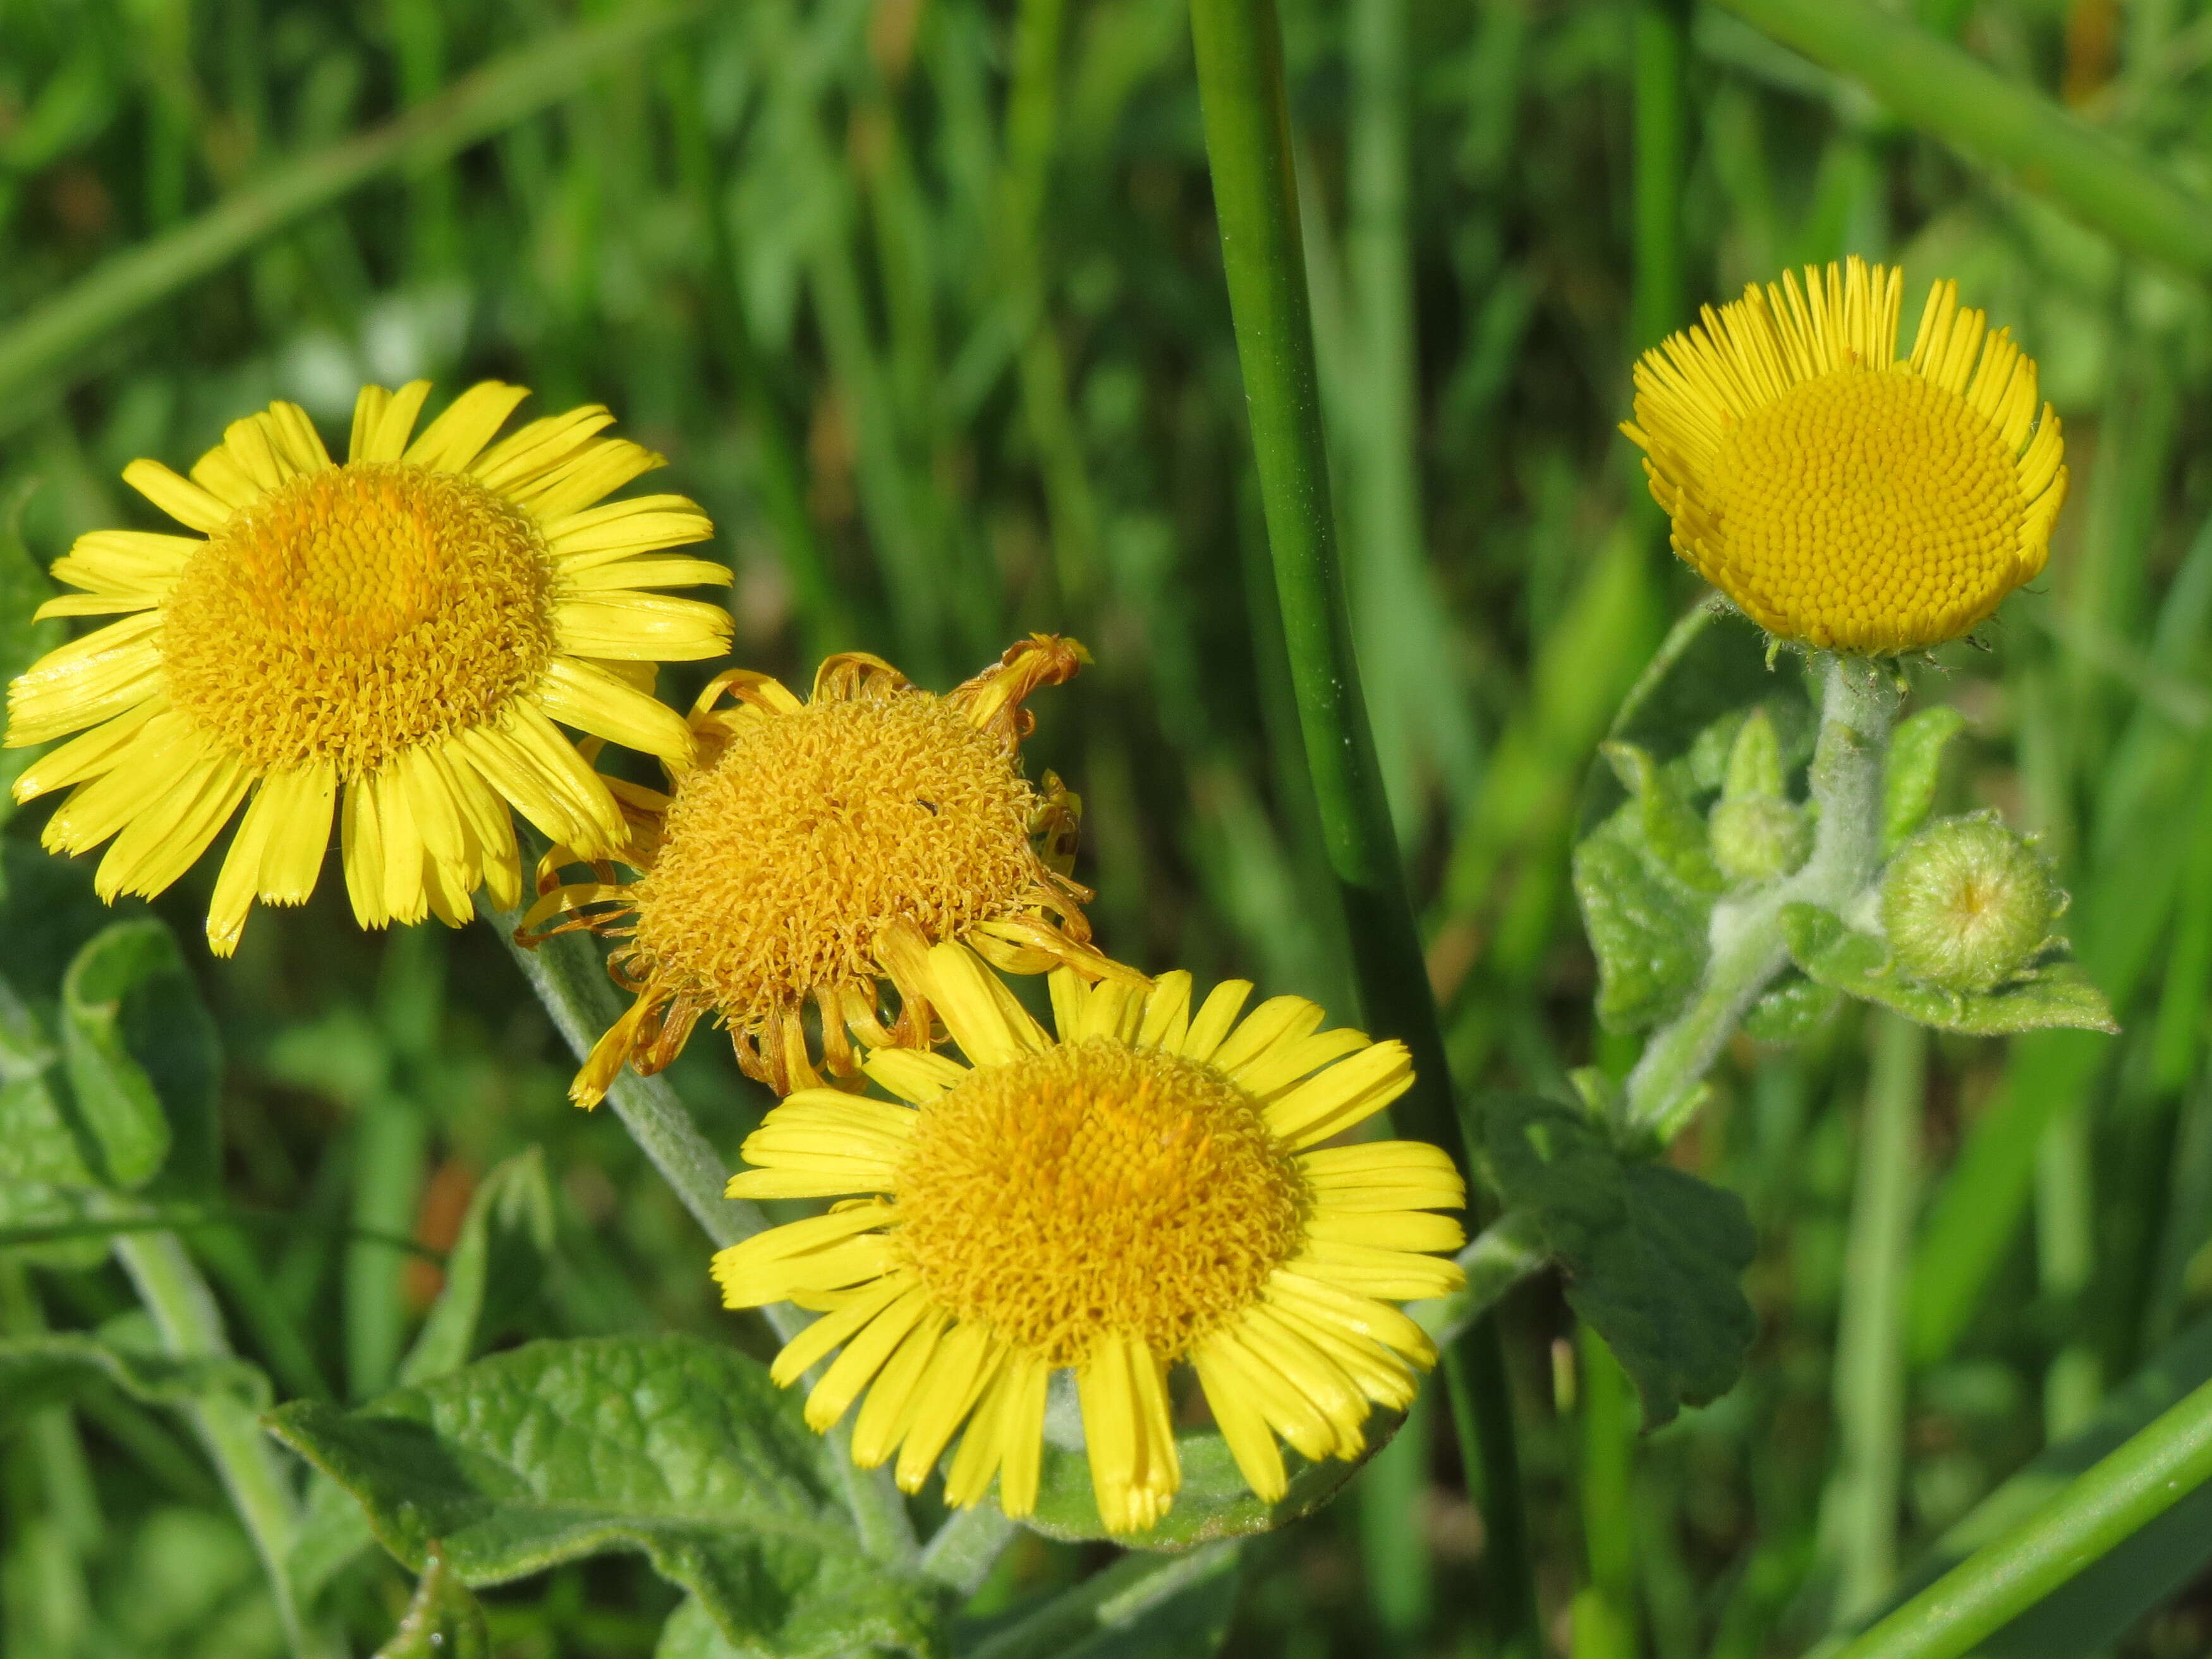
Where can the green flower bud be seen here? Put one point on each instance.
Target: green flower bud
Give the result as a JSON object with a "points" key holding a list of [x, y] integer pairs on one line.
{"points": [[1758, 837], [1966, 904]]}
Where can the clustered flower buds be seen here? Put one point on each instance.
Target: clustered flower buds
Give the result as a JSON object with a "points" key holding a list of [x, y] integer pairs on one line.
{"points": [[1756, 833], [1967, 904]]}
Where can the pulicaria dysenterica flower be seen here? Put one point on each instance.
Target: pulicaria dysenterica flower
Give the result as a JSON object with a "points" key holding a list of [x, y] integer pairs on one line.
{"points": [[1146, 1189], [389, 640], [769, 874], [1840, 496]]}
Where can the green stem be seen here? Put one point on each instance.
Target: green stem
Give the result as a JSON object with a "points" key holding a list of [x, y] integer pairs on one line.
{"points": [[191, 1327], [1605, 1611], [1861, 1511], [1247, 142], [1946, 91], [1859, 701], [961, 1553], [49, 344], [1106, 1602], [571, 981], [2110, 1502]]}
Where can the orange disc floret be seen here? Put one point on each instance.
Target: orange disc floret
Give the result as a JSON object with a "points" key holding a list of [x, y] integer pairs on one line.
{"points": [[769, 874], [1840, 496]]}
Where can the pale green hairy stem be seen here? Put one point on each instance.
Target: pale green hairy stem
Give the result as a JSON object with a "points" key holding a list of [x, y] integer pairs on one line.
{"points": [[190, 1326], [571, 981], [52, 345], [1859, 701]]}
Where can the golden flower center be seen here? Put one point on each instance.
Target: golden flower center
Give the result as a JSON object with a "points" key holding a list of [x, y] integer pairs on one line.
{"points": [[1858, 498], [357, 612], [1094, 1187], [781, 863]]}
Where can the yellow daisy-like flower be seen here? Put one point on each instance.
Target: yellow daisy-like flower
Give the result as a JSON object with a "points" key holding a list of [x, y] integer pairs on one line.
{"points": [[1147, 1189], [1842, 496], [770, 875], [401, 631]]}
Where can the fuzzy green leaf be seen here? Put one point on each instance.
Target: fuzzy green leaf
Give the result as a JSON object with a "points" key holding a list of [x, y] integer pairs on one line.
{"points": [[1661, 822], [443, 1621], [144, 1058], [668, 1446], [1654, 1256], [1916, 764], [1859, 965], [1647, 933], [38, 1371], [1791, 1011], [1213, 1502]]}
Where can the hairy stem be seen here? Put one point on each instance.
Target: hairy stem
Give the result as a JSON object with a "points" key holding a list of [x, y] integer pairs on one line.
{"points": [[190, 1326], [1859, 701], [570, 979]]}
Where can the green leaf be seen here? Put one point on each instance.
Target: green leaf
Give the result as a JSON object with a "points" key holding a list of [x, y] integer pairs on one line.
{"points": [[1790, 1010], [1916, 764], [1654, 1256], [1660, 821], [1859, 965], [442, 1622], [1647, 933], [23, 589], [668, 1446], [144, 1058], [37, 1145], [1140, 1608], [1710, 667], [1213, 1502], [493, 1271], [39, 1370]]}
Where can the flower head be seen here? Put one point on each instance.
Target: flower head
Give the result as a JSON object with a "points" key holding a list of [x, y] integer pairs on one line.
{"points": [[770, 874], [1146, 1189], [1840, 496], [389, 640]]}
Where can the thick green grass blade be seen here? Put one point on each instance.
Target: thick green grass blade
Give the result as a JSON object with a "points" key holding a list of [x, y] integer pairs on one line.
{"points": [[1945, 91]]}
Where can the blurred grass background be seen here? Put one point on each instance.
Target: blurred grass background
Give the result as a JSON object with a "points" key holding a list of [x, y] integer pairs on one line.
{"points": [[923, 301]]}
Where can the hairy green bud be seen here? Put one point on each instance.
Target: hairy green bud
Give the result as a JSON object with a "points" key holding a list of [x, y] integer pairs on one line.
{"points": [[1758, 837], [1966, 904]]}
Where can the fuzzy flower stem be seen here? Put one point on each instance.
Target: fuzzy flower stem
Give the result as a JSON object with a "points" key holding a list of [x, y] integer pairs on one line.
{"points": [[1859, 701], [185, 1314], [571, 981]]}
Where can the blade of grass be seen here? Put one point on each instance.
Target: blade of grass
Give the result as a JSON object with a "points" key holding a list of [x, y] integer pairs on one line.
{"points": [[1860, 1508], [1247, 141], [1606, 1609], [47, 348], [1946, 91], [779, 474], [2114, 1499], [1421, 704]]}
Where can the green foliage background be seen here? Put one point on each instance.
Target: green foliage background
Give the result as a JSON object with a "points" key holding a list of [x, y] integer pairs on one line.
{"points": [[923, 301]]}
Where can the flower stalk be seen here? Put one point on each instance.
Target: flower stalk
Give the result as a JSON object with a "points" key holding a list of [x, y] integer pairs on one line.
{"points": [[1859, 701], [1239, 52], [571, 981]]}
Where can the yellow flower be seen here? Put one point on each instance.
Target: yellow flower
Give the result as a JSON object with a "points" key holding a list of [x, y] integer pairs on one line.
{"points": [[1146, 1190], [771, 874], [1841, 496], [408, 626]]}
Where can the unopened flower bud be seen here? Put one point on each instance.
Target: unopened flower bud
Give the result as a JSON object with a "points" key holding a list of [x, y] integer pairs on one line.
{"points": [[1967, 903], [1758, 837]]}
